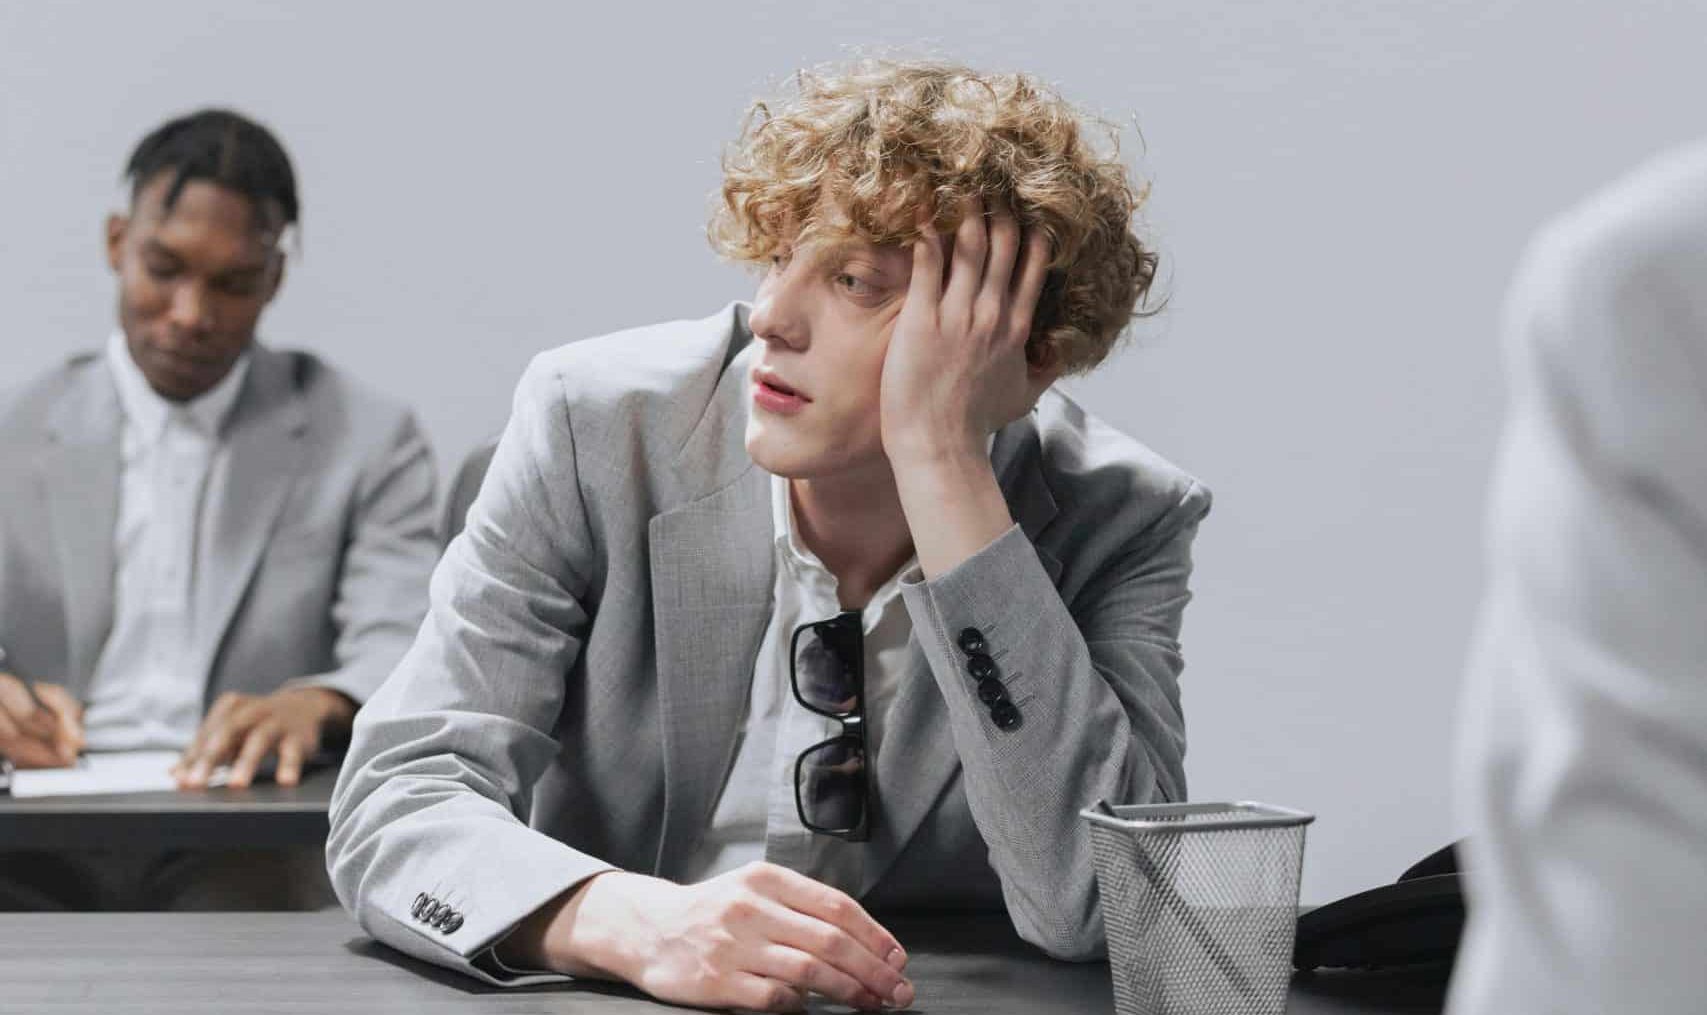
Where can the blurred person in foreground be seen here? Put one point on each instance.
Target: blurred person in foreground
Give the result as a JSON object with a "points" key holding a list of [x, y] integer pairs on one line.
{"points": [[825, 599], [206, 545], [1584, 752]]}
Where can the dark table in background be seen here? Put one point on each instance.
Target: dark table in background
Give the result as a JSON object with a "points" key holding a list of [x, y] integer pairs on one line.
{"points": [[261, 816], [184, 963]]}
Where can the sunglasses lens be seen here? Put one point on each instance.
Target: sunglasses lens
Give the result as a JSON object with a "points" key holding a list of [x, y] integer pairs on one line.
{"points": [[826, 668], [829, 782]]}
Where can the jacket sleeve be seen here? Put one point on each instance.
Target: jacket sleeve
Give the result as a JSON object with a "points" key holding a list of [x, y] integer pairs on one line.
{"points": [[429, 844], [386, 564], [1095, 686]]}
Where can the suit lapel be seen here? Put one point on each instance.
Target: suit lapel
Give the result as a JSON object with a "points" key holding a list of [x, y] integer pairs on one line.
{"points": [[252, 474], [713, 571], [80, 480], [916, 758]]}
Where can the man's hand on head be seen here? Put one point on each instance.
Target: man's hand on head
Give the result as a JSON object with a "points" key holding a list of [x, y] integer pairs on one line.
{"points": [[956, 369], [40, 726], [760, 938], [245, 730]]}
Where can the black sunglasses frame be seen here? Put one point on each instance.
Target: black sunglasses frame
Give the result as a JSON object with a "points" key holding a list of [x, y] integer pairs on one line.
{"points": [[853, 720]]}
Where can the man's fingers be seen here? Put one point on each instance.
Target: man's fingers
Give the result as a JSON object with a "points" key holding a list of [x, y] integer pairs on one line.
{"points": [[925, 287], [1028, 285], [818, 900], [26, 751], [804, 970], [999, 268], [260, 742], [966, 267], [752, 992], [219, 742], [291, 754], [839, 950], [69, 713], [32, 720]]}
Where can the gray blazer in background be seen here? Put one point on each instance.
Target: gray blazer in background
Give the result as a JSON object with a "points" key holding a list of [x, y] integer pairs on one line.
{"points": [[315, 549], [573, 700]]}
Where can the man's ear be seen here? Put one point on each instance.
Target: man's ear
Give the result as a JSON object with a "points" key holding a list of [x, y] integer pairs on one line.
{"points": [[1042, 368], [278, 275], [117, 225]]}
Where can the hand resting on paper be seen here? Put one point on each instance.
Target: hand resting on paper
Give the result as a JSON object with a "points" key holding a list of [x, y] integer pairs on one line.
{"points": [[41, 726], [243, 730]]}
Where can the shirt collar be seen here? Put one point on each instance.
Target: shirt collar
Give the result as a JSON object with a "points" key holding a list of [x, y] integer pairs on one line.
{"points": [[148, 411]]}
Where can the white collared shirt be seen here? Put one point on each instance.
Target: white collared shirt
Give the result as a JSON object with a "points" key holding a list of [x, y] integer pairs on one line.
{"points": [[755, 817], [144, 693]]}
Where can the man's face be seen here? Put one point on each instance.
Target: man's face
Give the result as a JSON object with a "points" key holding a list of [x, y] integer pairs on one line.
{"points": [[193, 280], [824, 314]]}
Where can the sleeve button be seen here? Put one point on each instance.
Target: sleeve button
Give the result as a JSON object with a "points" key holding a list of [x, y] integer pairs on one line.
{"points": [[452, 924], [972, 641], [990, 692], [1005, 715], [981, 666]]}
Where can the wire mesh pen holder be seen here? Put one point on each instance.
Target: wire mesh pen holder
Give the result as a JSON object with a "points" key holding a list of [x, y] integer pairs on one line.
{"points": [[1200, 902]]}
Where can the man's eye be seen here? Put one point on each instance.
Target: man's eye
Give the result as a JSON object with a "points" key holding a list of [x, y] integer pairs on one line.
{"points": [[246, 285], [854, 285], [160, 272]]}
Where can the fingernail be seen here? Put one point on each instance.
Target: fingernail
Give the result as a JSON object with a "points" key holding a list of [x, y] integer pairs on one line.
{"points": [[897, 959], [903, 996]]}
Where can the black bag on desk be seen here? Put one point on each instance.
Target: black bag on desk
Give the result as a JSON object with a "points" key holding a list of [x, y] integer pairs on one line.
{"points": [[1416, 921]]}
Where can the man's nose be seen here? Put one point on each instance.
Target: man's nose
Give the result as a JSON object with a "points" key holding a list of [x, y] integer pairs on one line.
{"points": [[778, 315], [190, 309]]}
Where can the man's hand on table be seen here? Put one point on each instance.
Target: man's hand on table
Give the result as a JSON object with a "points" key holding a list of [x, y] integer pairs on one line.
{"points": [[40, 727], [243, 730], [759, 938]]}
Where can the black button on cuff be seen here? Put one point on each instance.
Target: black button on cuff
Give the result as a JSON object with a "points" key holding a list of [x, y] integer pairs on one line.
{"points": [[981, 666], [972, 641], [991, 691], [452, 924], [1005, 715], [420, 905]]}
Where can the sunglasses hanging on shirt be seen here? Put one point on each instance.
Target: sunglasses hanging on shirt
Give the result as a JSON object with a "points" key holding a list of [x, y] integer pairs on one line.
{"points": [[826, 669]]}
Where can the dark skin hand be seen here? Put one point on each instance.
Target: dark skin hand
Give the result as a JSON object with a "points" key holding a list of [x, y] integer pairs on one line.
{"points": [[243, 730]]}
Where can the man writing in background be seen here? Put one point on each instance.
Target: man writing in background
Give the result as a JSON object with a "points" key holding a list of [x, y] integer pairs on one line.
{"points": [[205, 544], [822, 600]]}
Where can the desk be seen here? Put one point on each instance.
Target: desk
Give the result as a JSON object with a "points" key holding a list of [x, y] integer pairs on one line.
{"points": [[188, 963], [262, 816]]}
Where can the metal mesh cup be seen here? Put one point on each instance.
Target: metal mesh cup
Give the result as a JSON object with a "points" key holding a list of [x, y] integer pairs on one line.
{"points": [[1200, 902]]}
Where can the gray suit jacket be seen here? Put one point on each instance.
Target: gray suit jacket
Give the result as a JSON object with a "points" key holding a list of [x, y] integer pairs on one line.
{"points": [[586, 660], [314, 556]]}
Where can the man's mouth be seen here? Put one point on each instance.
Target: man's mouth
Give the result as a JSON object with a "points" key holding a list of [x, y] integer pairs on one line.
{"points": [[774, 383]]}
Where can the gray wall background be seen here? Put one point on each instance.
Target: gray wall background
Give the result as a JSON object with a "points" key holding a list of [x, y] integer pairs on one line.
{"points": [[1341, 189]]}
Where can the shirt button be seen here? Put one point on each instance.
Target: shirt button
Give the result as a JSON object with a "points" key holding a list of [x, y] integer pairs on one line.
{"points": [[972, 641]]}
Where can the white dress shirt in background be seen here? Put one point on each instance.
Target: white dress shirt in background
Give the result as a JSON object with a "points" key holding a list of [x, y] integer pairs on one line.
{"points": [[1584, 757], [755, 817], [143, 693]]}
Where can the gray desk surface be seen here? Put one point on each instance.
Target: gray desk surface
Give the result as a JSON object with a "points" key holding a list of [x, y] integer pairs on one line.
{"points": [[264, 815], [182, 963]]}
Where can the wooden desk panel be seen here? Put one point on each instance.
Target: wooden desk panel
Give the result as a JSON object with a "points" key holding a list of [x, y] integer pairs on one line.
{"points": [[261, 816]]}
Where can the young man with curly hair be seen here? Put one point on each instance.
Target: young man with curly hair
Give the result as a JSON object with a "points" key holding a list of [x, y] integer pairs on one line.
{"points": [[825, 599]]}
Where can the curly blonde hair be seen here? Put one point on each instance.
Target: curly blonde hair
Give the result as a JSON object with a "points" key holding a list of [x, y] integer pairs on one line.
{"points": [[864, 149]]}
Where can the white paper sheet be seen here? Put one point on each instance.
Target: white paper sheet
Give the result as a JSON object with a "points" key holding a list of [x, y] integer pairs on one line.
{"points": [[112, 772]]}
